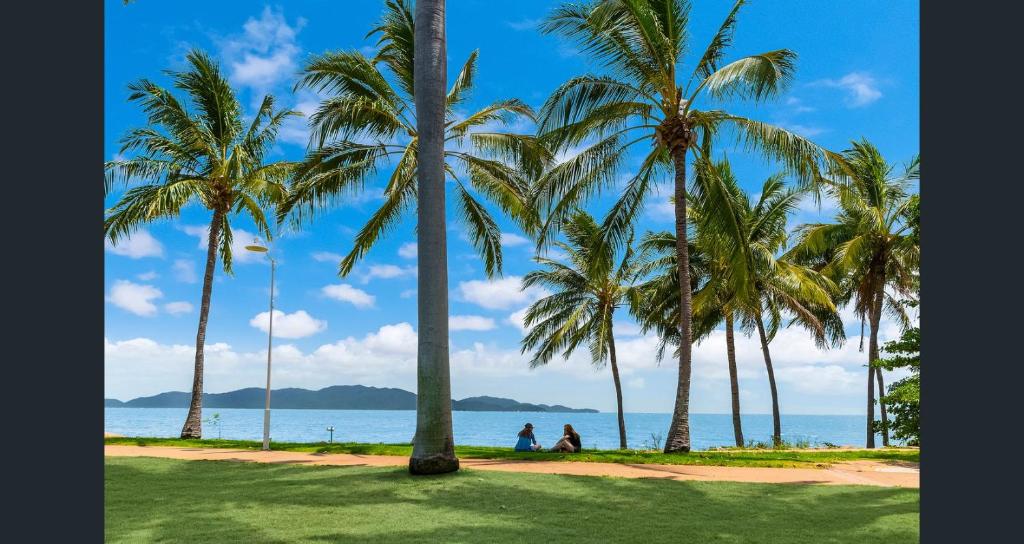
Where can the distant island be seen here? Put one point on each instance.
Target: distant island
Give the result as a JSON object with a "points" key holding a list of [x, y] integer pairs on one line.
{"points": [[338, 397]]}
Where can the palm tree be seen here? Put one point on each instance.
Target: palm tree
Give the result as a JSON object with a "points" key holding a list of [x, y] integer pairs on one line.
{"points": [[206, 156], [870, 250], [588, 287], [755, 279], [642, 43], [740, 276], [370, 122], [433, 450]]}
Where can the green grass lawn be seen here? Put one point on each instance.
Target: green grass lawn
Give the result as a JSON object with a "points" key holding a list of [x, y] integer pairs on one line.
{"points": [[164, 500], [727, 457]]}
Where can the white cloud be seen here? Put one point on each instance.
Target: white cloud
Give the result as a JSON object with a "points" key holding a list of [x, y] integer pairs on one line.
{"points": [[797, 105], [265, 53], [135, 298], [511, 239], [295, 129], [387, 271], [523, 24], [518, 318], [327, 257], [178, 307], [408, 250], [470, 323], [408, 293], [347, 293], [806, 131], [860, 87], [185, 271], [499, 294], [636, 383], [148, 276], [139, 245], [240, 238], [295, 325]]}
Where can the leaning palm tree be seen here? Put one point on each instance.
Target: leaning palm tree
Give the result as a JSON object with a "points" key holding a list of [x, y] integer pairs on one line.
{"points": [[869, 250], [206, 156], [588, 288], [371, 121], [643, 98]]}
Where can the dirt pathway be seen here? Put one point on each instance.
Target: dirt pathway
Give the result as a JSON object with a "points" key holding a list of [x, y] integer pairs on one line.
{"points": [[855, 472]]}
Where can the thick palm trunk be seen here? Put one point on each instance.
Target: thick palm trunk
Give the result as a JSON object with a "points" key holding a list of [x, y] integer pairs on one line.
{"points": [[734, 384], [874, 320], [678, 439], [193, 427], [776, 420], [433, 449], [618, 393]]}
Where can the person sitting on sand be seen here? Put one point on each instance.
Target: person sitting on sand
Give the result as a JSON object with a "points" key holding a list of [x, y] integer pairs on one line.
{"points": [[570, 442], [527, 442]]}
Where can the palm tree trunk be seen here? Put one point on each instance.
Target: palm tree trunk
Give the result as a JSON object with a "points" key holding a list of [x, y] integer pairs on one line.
{"points": [[618, 392], [881, 407], [678, 439], [193, 427], [433, 449], [730, 348], [776, 420], [875, 318]]}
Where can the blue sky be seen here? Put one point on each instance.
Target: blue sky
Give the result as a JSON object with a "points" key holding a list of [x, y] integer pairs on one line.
{"points": [[857, 77]]}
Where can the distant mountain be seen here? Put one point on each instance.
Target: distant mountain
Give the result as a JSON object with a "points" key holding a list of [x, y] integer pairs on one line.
{"points": [[337, 397]]}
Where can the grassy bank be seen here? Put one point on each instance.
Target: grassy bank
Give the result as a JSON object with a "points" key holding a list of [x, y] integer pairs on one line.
{"points": [[163, 500], [725, 457]]}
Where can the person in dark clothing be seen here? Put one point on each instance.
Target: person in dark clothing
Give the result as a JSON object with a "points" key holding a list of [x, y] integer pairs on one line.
{"points": [[570, 441]]}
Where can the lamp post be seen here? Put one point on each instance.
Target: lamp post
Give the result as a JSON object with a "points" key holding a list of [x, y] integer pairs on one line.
{"points": [[331, 430], [270, 339]]}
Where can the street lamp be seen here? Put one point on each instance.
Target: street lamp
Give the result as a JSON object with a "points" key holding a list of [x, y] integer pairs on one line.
{"points": [[255, 247]]}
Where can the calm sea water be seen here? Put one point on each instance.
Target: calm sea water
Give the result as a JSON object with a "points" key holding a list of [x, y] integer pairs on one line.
{"points": [[480, 428]]}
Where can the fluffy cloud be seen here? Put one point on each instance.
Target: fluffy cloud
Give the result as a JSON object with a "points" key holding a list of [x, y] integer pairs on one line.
{"points": [[387, 271], [326, 257], [518, 318], [499, 294], [861, 88], [240, 238], [185, 271], [295, 325], [523, 24], [135, 298], [347, 293], [470, 323], [409, 250], [178, 307], [139, 245], [510, 239], [148, 276], [265, 53]]}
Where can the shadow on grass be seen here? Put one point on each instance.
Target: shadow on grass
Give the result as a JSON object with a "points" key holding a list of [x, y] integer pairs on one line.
{"points": [[210, 501]]}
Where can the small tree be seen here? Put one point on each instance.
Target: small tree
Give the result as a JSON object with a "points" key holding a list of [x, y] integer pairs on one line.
{"points": [[904, 396], [214, 421]]}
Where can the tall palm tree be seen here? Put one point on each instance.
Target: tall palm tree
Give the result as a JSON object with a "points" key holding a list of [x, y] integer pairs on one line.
{"points": [[205, 155], [582, 308], [369, 122], [382, 112], [433, 449], [757, 281], [642, 43], [870, 249]]}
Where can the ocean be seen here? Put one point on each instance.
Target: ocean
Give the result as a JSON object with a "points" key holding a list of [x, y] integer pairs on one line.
{"points": [[598, 431]]}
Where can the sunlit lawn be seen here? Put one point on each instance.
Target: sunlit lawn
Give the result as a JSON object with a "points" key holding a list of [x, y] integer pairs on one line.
{"points": [[746, 457], [163, 500]]}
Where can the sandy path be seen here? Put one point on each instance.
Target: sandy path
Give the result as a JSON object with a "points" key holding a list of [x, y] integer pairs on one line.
{"points": [[856, 472]]}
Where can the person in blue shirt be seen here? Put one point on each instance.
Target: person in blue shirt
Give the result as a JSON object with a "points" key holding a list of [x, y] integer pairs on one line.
{"points": [[527, 442]]}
